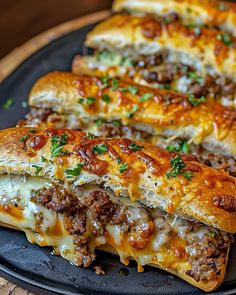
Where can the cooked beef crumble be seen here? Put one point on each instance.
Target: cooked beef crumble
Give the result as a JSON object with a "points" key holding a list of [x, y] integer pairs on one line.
{"points": [[86, 216]]}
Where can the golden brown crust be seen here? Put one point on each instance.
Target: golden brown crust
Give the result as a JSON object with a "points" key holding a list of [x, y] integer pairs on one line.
{"points": [[166, 112], [146, 35], [139, 174], [207, 286], [203, 12]]}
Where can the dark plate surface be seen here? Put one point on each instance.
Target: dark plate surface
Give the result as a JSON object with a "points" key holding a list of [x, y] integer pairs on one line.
{"points": [[36, 268]]}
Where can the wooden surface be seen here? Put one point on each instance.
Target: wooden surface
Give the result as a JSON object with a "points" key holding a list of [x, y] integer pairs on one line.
{"points": [[20, 20], [12, 60]]}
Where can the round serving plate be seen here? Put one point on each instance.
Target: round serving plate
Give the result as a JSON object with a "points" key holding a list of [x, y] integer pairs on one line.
{"points": [[36, 268]]}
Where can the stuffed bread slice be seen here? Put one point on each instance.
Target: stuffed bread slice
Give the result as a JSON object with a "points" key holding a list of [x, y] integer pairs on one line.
{"points": [[213, 13], [117, 109], [76, 192], [170, 56]]}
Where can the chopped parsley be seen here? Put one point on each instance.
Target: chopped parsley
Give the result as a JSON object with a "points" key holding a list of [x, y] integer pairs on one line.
{"points": [[195, 101], [197, 31], [183, 147], [105, 81], [80, 100], [123, 167], [90, 100], [166, 99], [146, 97], [32, 130], [114, 85], [43, 158], [212, 234], [116, 123], [57, 144], [8, 103], [225, 38], [100, 148], [123, 89], [99, 122], [37, 169], [132, 112], [75, 171], [222, 6], [177, 165], [106, 98], [135, 147], [133, 89], [24, 104], [24, 138], [165, 86], [119, 160], [195, 77]]}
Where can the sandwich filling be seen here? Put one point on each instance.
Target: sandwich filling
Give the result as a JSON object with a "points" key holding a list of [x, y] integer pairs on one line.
{"points": [[161, 71], [115, 128], [76, 220]]}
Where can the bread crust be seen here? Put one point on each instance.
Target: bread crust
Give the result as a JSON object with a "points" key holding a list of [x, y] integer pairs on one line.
{"points": [[209, 123], [207, 51], [209, 197], [202, 12]]}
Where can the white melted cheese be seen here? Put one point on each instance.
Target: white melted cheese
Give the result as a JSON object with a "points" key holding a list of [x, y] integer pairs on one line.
{"points": [[18, 190]]}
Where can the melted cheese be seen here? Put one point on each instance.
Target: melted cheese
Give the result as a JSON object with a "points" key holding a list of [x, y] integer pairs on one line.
{"points": [[167, 246]]}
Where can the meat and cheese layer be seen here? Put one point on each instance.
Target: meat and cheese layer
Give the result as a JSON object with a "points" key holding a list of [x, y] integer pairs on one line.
{"points": [[175, 183], [149, 51], [77, 220], [68, 100], [212, 13]]}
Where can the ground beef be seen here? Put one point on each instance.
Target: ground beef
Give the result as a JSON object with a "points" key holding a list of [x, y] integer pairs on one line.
{"points": [[40, 114], [208, 257], [55, 198], [155, 69]]}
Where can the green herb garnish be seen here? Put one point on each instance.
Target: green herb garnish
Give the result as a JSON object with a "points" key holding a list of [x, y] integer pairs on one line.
{"points": [[194, 77], [90, 100], [100, 148], [133, 89], [80, 100], [106, 98], [146, 97], [166, 99], [24, 104], [74, 171], [8, 103], [183, 147], [99, 122], [135, 147], [132, 112], [123, 89], [43, 158], [32, 130], [195, 101], [225, 38], [24, 138], [114, 85], [57, 144], [123, 167], [105, 81], [116, 123], [37, 169], [177, 165], [222, 6]]}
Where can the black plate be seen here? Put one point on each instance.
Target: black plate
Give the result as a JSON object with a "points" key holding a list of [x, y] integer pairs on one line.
{"points": [[36, 268]]}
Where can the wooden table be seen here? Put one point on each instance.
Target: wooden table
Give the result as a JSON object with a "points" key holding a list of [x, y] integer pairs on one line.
{"points": [[12, 60]]}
